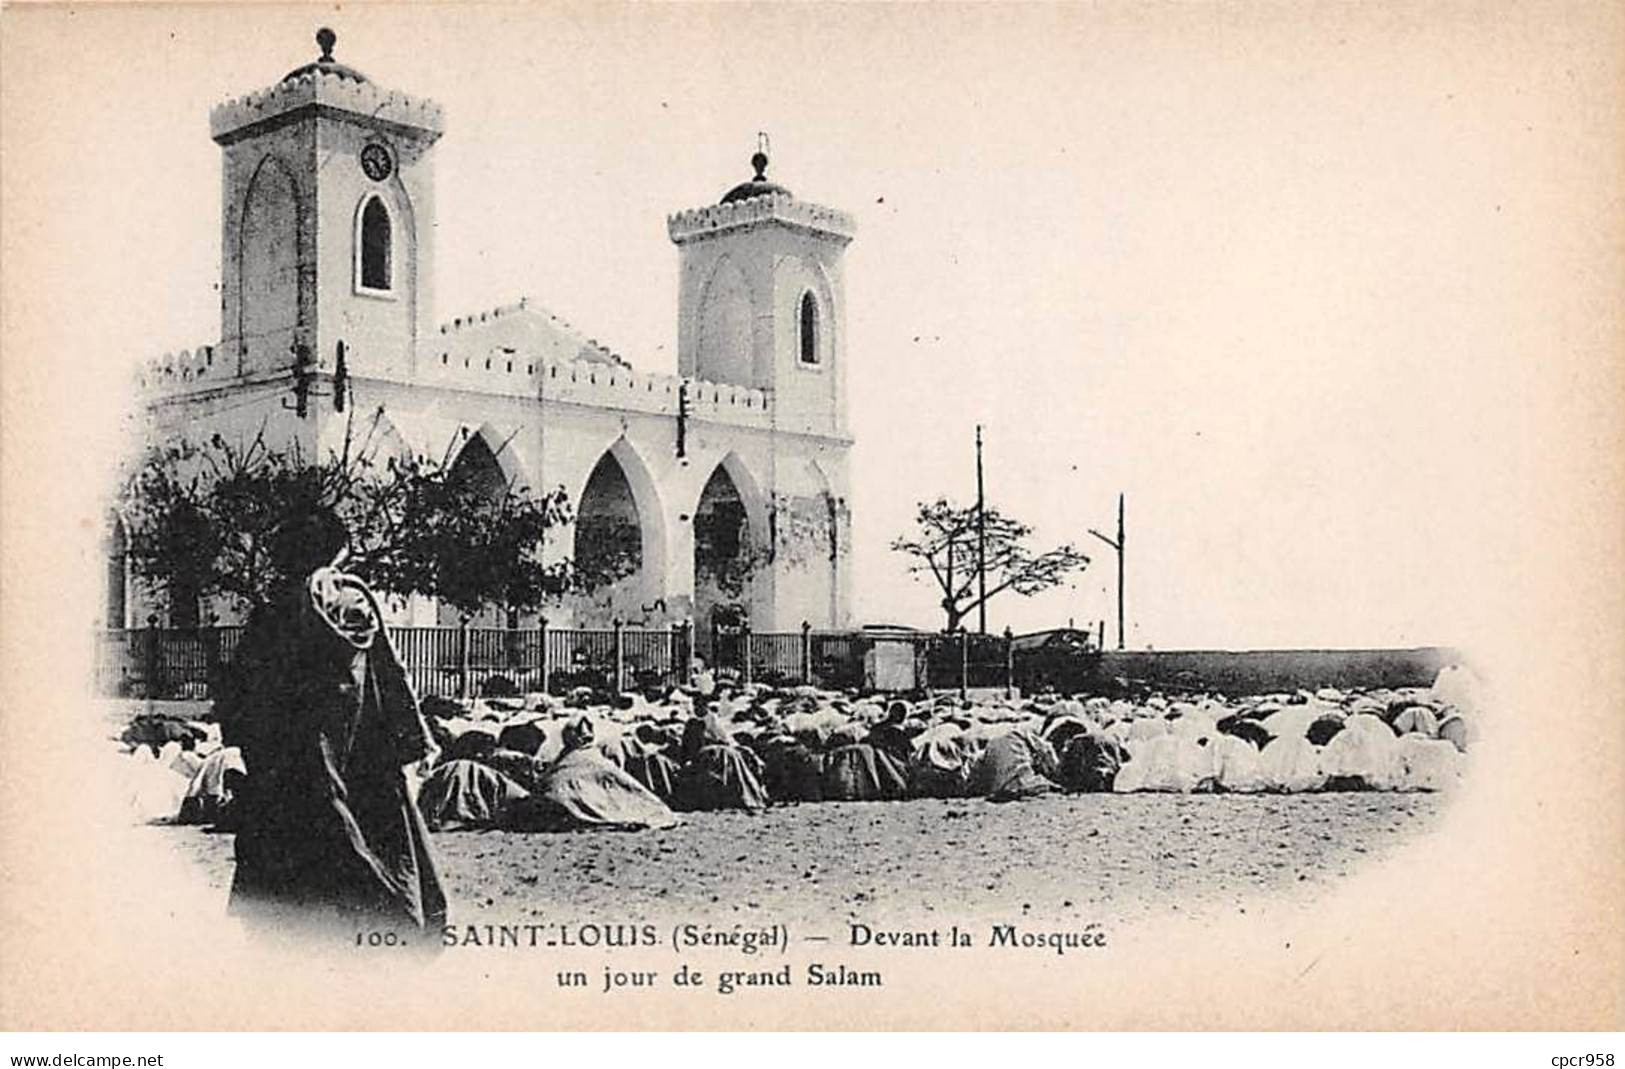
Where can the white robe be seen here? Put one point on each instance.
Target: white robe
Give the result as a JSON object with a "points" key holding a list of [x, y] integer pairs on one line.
{"points": [[1366, 753], [1291, 763], [1428, 764], [1237, 765], [1168, 763]]}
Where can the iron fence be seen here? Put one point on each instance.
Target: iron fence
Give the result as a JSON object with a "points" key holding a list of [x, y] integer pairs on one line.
{"points": [[776, 657], [837, 659], [174, 663], [966, 660], [842, 660], [465, 661]]}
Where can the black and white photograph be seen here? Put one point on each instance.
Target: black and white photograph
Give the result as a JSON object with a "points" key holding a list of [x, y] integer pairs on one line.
{"points": [[814, 516]]}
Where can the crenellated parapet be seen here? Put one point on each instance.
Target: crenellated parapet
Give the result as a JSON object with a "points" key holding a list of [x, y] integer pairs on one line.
{"points": [[182, 372], [614, 387], [318, 88], [698, 223], [473, 319], [524, 326]]}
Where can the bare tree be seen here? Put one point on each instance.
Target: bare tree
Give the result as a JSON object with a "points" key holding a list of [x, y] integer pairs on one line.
{"points": [[944, 546]]}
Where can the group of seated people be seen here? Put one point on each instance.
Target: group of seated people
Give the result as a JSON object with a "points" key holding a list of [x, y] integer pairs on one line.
{"points": [[749, 750], [707, 762], [600, 762]]}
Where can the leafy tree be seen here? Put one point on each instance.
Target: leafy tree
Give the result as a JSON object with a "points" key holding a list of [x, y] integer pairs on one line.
{"points": [[202, 520], [467, 543], [944, 547]]}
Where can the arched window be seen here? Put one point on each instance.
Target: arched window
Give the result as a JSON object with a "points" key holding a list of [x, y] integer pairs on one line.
{"points": [[809, 328], [375, 242]]}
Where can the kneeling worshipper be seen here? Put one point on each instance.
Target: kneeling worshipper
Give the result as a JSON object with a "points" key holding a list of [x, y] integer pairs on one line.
{"points": [[1090, 761], [1291, 764], [155, 730], [1017, 764], [793, 767], [1237, 766], [585, 789], [320, 708], [717, 773], [208, 796], [1174, 763], [940, 765], [1364, 756], [892, 734], [155, 784], [650, 766], [856, 771], [462, 793], [1429, 764]]}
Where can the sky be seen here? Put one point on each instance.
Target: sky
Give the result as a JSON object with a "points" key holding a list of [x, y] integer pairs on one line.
{"points": [[1306, 282]]}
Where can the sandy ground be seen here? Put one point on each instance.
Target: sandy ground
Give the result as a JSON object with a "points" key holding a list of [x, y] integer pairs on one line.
{"points": [[1083, 857]]}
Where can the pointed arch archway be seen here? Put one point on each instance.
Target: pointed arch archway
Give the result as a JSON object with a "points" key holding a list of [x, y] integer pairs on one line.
{"points": [[478, 465], [619, 549], [732, 548], [503, 452], [373, 437]]}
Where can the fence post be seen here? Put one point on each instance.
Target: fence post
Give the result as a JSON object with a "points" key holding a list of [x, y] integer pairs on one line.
{"points": [[211, 657], [673, 648], [964, 665], [149, 657], [922, 661], [1009, 663], [462, 657], [685, 669], [514, 645], [806, 652], [620, 656], [546, 665], [744, 650]]}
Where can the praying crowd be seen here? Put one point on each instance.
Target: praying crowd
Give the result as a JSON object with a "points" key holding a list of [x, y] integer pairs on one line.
{"points": [[584, 760]]}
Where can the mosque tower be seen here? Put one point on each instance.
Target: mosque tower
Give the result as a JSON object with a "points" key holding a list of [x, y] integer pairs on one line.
{"points": [[328, 220], [761, 299]]}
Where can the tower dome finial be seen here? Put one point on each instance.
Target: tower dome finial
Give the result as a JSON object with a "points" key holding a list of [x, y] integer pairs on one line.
{"points": [[759, 159], [326, 65], [758, 186]]}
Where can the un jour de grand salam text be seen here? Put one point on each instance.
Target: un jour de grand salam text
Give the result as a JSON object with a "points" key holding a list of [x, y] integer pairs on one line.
{"points": [[711, 947]]}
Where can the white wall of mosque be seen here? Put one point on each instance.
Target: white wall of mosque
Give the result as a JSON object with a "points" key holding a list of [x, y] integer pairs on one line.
{"points": [[792, 488]]}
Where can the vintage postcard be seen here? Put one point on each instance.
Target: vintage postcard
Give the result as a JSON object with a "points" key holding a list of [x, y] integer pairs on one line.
{"points": [[813, 516]]}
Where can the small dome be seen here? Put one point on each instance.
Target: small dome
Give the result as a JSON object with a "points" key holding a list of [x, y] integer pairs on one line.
{"points": [[326, 39], [756, 187]]}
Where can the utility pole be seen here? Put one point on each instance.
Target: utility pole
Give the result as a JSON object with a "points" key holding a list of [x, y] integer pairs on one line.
{"points": [[981, 540], [1118, 546]]}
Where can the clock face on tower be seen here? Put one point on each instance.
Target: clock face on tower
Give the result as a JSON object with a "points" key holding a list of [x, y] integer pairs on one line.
{"points": [[377, 162]]}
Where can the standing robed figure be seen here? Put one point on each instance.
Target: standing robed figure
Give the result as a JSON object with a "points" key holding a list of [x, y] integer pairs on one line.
{"points": [[327, 723]]}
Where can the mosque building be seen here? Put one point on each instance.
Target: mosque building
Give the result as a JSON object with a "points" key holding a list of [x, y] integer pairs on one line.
{"points": [[326, 271]]}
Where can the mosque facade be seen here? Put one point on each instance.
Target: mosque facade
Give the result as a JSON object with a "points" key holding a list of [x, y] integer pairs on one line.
{"points": [[721, 492]]}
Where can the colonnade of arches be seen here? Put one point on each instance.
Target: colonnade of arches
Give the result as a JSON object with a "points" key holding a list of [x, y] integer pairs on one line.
{"points": [[631, 566], [630, 554]]}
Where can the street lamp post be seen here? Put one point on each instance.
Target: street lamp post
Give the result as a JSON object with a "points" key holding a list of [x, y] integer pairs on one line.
{"points": [[1117, 545]]}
